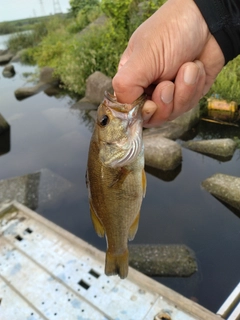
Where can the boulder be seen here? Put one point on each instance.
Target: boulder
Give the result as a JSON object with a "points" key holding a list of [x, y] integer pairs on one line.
{"points": [[162, 153], [2, 52], [93, 114], [96, 84], [17, 56], [35, 188], [5, 143], [215, 147], [5, 58], [47, 76], [188, 119], [46, 81], [99, 22], [225, 188], [25, 92], [84, 104], [4, 126], [8, 71], [176, 128], [163, 260]]}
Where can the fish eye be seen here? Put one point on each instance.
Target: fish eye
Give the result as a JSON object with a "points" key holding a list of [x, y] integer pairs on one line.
{"points": [[104, 121]]}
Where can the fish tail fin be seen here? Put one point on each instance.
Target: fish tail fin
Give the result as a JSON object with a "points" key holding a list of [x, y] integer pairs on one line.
{"points": [[117, 264]]}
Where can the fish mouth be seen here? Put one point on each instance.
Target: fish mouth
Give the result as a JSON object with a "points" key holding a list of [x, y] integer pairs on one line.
{"points": [[127, 149], [111, 102]]}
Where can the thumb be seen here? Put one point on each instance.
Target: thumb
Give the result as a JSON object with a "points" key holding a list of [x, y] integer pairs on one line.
{"points": [[131, 79]]}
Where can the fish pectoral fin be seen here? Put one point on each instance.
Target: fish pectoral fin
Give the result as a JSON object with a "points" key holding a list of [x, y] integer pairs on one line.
{"points": [[133, 229], [120, 176], [117, 264], [96, 222], [144, 182]]}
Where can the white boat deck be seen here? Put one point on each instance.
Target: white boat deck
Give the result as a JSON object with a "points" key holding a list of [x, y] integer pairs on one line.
{"points": [[48, 273]]}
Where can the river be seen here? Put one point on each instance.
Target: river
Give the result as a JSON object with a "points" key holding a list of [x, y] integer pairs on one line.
{"points": [[47, 133]]}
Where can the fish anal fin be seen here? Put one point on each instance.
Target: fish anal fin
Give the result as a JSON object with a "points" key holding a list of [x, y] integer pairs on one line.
{"points": [[133, 229], [117, 264], [96, 222], [144, 182]]}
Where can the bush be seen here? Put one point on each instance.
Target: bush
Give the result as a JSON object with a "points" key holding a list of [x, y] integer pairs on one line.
{"points": [[84, 56], [82, 5], [20, 41], [227, 84], [83, 18], [6, 27], [27, 39]]}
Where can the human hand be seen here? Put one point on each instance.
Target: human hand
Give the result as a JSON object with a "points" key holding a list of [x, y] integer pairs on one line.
{"points": [[172, 57]]}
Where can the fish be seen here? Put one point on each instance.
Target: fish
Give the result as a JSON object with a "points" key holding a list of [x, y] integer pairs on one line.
{"points": [[116, 179]]}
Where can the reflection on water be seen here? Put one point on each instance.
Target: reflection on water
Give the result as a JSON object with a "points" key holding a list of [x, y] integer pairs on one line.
{"points": [[164, 175], [47, 133], [5, 143]]}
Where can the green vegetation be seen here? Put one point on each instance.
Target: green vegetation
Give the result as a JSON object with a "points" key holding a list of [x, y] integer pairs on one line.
{"points": [[75, 54], [59, 42], [27, 39], [7, 27], [227, 84]]}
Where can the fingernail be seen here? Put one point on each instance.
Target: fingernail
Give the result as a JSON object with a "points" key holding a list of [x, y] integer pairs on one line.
{"points": [[191, 74], [148, 110], [167, 94]]}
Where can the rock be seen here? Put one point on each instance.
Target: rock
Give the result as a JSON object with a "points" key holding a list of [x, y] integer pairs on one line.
{"points": [[163, 260], [46, 81], [84, 104], [5, 58], [53, 91], [93, 114], [25, 92], [8, 71], [2, 52], [34, 188], [17, 56], [225, 188], [215, 147], [162, 153], [5, 142], [96, 84], [176, 128], [100, 21], [168, 130], [188, 119], [47, 76], [4, 126]]}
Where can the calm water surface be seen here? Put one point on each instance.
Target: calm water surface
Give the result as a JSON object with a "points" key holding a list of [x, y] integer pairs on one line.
{"points": [[47, 133]]}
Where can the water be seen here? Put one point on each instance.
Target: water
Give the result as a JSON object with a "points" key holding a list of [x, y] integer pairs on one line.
{"points": [[47, 133]]}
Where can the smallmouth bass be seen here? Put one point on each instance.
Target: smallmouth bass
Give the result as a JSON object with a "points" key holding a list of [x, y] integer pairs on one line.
{"points": [[116, 178]]}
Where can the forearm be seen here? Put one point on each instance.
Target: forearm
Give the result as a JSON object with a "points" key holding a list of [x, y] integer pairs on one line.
{"points": [[223, 20]]}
